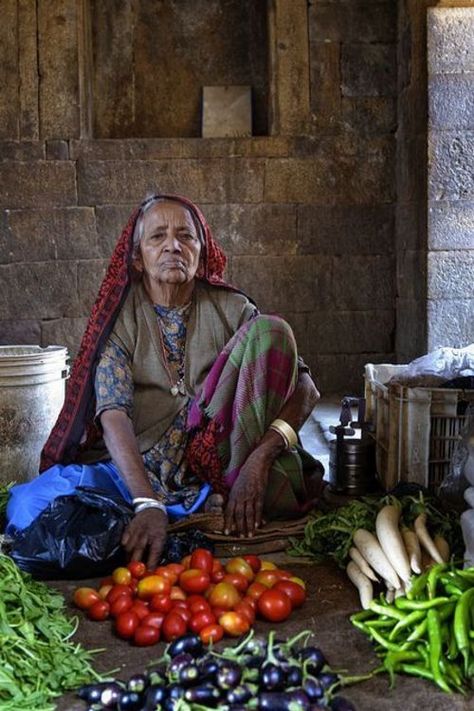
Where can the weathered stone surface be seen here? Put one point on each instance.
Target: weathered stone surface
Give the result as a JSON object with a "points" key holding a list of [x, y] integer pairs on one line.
{"points": [[89, 278], [110, 220], [365, 229], [411, 169], [450, 275], [411, 274], [370, 72], [343, 373], [38, 290], [254, 229], [451, 165], [410, 226], [9, 106], [330, 180], [450, 323], [358, 21], [277, 285], [451, 225], [351, 331], [40, 183], [58, 67], [160, 148], [451, 101], [20, 332], [234, 180], [22, 151], [411, 329], [57, 150], [450, 39], [41, 235], [369, 115], [63, 332], [28, 69], [325, 83], [360, 282]]}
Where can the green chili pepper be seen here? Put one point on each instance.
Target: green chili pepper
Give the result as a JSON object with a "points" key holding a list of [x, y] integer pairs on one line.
{"points": [[453, 673], [418, 632], [385, 642], [417, 587], [393, 660], [433, 576], [434, 636], [462, 624], [387, 610], [409, 620], [403, 604]]}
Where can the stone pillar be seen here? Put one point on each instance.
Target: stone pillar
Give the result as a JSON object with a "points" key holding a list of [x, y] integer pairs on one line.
{"points": [[450, 244]]}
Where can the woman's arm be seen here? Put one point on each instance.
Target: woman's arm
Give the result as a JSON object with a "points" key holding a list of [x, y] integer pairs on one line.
{"points": [[147, 529], [244, 509]]}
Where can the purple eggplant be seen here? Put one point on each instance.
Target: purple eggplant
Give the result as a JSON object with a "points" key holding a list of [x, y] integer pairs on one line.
{"points": [[178, 662], [175, 691], [228, 675], [92, 692], [188, 675], [313, 688], [111, 695], [339, 703], [189, 643], [155, 696], [208, 669], [137, 683], [294, 675], [206, 694], [130, 701], [272, 677], [328, 679], [315, 656], [295, 700], [240, 695]]}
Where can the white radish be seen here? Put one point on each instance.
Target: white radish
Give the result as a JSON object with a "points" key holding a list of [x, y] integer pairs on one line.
{"points": [[362, 563], [425, 538], [412, 544], [370, 548], [390, 538], [399, 592], [443, 547], [390, 595], [362, 583]]}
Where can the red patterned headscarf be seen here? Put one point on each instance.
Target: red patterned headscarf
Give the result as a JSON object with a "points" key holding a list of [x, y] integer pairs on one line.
{"points": [[76, 416]]}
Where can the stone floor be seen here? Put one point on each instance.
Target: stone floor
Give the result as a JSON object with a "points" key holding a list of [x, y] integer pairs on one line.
{"points": [[331, 599]]}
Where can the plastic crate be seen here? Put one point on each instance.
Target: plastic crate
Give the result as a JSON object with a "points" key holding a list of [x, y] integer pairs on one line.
{"points": [[416, 429]]}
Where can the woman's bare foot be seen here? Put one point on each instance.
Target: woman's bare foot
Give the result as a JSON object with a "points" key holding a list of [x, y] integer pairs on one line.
{"points": [[214, 504]]}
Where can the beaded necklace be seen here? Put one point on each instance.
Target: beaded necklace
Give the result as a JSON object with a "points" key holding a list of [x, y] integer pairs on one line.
{"points": [[177, 386]]}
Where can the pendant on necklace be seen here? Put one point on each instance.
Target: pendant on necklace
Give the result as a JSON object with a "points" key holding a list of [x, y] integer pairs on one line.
{"points": [[178, 388]]}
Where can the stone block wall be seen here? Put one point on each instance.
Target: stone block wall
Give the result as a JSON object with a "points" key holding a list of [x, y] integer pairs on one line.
{"points": [[305, 214]]}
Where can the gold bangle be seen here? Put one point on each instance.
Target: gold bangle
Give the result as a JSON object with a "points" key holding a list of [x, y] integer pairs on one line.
{"points": [[286, 431]]}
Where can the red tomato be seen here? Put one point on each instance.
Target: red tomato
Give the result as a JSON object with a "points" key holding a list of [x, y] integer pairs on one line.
{"points": [[255, 590], [254, 562], [211, 633], [121, 576], [194, 580], [137, 568], [154, 619], [295, 592], [167, 574], [283, 574], [116, 591], [161, 603], [177, 594], [85, 597], [251, 601], [184, 612], [298, 581], [152, 585], [217, 565], [224, 595], [121, 604], [186, 562], [240, 565], [98, 611], [238, 580], [140, 608], [200, 620], [126, 624], [234, 623], [106, 581], [104, 590], [274, 605], [267, 578], [173, 626], [218, 611], [176, 568], [246, 609], [218, 576], [146, 635], [202, 559], [197, 603], [267, 565]]}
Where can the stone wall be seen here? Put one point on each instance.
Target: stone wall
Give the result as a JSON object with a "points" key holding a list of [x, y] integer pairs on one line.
{"points": [[306, 214]]}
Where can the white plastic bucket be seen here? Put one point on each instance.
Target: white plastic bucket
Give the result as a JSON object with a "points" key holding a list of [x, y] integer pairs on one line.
{"points": [[32, 389]]}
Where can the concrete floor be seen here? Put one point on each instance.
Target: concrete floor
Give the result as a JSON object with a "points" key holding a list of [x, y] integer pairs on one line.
{"points": [[331, 599]]}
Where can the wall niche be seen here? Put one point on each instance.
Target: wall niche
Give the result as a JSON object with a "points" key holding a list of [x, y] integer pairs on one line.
{"points": [[149, 60]]}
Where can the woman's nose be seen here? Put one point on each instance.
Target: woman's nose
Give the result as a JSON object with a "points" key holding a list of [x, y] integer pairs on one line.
{"points": [[172, 243]]}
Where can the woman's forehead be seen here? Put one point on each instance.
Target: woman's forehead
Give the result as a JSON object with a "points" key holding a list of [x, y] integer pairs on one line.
{"points": [[165, 213]]}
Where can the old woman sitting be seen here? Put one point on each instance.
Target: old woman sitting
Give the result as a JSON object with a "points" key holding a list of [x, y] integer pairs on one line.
{"points": [[181, 392]]}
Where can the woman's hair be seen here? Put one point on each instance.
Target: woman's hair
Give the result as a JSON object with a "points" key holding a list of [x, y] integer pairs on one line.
{"points": [[149, 202]]}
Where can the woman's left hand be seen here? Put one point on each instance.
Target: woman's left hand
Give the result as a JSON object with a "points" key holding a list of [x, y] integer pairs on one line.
{"points": [[244, 508]]}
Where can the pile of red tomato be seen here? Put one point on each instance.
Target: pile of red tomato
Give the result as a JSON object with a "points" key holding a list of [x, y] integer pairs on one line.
{"points": [[198, 595]]}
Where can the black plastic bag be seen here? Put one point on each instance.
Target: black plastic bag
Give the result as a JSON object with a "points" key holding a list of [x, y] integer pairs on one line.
{"points": [[76, 536]]}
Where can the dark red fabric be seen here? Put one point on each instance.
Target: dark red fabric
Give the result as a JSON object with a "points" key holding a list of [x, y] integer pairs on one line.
{"points": [[75, 421], [203, 459]]}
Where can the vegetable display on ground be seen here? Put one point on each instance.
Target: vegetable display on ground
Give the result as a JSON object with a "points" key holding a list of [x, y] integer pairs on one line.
{"points": [[198, 595], [263, 674], [38, 660], [429, 632]]}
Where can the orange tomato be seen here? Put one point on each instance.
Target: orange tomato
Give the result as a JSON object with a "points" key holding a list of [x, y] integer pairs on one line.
{"points": [[255, 590], [85, 597], [266, 577], [234, 624], [121, 576], [194, 580], [240, 566], [169, 575], [224, 595], [267, 565], [186, 561], [104, 590], [298, 581], [238, 580], [211, 633], [152, 585], [177, 594]]}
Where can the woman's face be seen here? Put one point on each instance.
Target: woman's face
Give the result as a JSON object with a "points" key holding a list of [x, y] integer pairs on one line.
{"points": [[170, 247]]}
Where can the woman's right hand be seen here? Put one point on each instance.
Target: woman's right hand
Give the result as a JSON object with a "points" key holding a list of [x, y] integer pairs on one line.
{"points": [[146, 535]]}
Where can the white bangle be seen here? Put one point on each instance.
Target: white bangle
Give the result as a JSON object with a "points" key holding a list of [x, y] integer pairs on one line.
{"points": [[149, 504]]}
